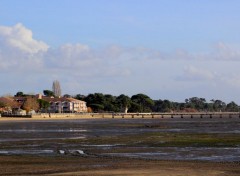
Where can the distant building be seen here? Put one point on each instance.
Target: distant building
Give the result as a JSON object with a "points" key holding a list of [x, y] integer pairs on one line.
{"points": [[14, 105], [64, 104]]}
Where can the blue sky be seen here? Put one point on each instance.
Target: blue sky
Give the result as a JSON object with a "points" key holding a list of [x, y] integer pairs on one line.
{"points": [[167, 49]]}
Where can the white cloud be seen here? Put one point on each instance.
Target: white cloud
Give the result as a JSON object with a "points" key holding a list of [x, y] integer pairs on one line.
{"points": [[21, 38], [192, 73], [141, 68], [226, 52]]}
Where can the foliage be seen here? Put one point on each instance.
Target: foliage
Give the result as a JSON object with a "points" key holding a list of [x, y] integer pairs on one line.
{"points": [[123, 102], [145, 103], [67, 96], [48, 93], [2, 105], [43, 104], [80, 97], [232, 107], [19, 94], [99, 102], [31, 104]]}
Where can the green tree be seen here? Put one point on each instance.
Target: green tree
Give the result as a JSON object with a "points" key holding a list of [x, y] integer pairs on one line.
{"points": [[145, 102], [48, 93], [67, 96], [96, 101], [124, 102], [218, 105], [43, 104], [110, 103], [135, 107], [80, 97], [195, 102], [232, 107], [167, 106], [157, 105], [19, 94]]}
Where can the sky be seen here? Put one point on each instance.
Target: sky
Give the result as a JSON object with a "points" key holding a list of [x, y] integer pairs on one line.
{"points": [[166, 49]]}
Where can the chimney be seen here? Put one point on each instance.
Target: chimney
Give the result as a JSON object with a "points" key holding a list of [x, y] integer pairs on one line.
{"points": [[39, 96]]}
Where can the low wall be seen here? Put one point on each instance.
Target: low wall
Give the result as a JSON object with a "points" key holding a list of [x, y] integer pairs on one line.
{"points": [[129, 115], [15, 115], [53, 115]]}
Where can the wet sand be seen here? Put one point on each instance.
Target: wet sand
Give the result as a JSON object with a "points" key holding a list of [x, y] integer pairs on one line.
{"points": [[56, 166]]}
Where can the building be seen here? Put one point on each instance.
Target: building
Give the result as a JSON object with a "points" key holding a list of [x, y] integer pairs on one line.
{"points": [[64, 104]]}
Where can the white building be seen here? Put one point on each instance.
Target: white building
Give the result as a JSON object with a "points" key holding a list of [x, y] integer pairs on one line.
{"points": [[64, 104]]}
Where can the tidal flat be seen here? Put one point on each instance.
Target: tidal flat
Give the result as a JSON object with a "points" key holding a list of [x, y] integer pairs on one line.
{"points": [[89, 145]]}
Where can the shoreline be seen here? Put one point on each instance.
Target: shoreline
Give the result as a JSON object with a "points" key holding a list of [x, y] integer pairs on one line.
{"points": [[153, 115]]}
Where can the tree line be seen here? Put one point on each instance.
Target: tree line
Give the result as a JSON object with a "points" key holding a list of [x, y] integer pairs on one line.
{"points": [[99, 102]]}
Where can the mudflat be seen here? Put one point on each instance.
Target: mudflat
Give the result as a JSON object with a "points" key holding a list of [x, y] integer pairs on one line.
{"points": [[165, 147]]}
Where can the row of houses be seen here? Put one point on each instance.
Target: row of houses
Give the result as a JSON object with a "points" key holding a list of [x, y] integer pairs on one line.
{"points": [[15, 105]]}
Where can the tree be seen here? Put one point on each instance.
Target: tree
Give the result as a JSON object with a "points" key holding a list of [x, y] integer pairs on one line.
{"points": [[232, 107], [80, 97], [124, 102], [56, 88], [143, 101], [135, 107], [19, 94], [157, 105], [31, 104], [67, 96], [218, 105], [2, 104], [195, 102], [48, 93], [96, 101], [110, 103], [43, 104], [97, 107], [167, 106], [164, 106]]}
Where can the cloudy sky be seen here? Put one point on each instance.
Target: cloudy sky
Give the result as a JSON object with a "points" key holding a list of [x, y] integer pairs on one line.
{"points": [[167, 49]]}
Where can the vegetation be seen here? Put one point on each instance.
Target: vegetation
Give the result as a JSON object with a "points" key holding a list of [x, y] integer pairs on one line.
{"points": [[43, 104], [31, 104], [98, 102], [143, 103], [2, 105], [48, 93]]}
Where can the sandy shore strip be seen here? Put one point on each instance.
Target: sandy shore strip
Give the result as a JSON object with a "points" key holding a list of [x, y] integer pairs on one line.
{"points": [[48, 118], [57, 166]]}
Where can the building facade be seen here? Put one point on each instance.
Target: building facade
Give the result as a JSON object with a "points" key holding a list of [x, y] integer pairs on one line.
{"points": [[64, 105]]}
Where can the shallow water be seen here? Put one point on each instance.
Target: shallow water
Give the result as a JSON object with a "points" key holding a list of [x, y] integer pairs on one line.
{"points": [[187, 153]]}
